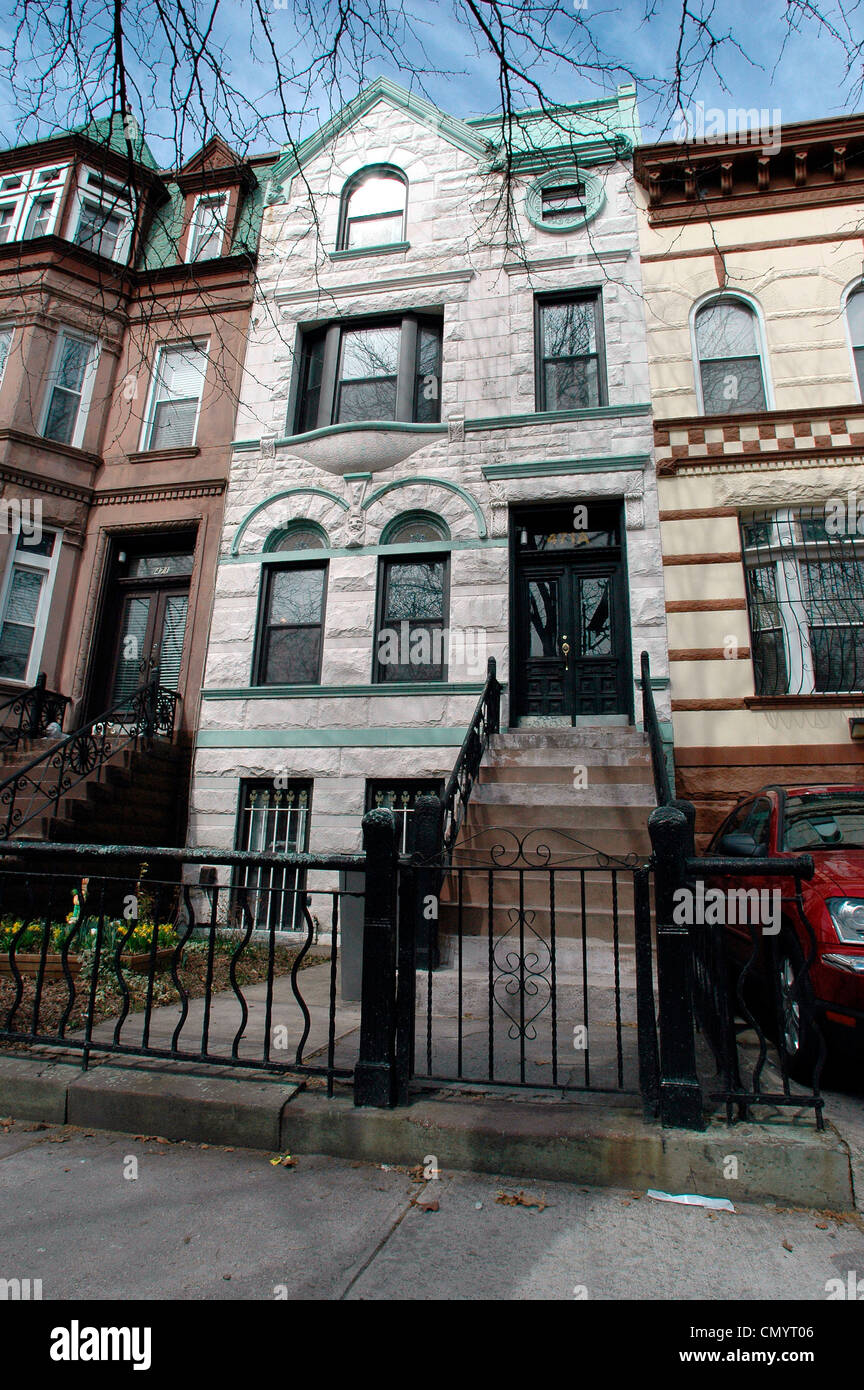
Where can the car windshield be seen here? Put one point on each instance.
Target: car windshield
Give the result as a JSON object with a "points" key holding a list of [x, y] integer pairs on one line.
{"points": [[824, 820]]}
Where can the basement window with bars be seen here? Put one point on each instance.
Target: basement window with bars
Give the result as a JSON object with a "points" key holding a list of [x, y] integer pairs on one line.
{"points": [[805, 595], [401, 798], [272, 819]]}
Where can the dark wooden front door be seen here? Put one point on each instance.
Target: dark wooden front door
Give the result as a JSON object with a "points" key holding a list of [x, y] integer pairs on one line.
{"points": [[572, 647], [144, 628]]}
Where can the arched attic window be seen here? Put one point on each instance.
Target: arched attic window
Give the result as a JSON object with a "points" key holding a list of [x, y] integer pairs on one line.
{"points": [[373, 208], [729, 353], [855, 318]]}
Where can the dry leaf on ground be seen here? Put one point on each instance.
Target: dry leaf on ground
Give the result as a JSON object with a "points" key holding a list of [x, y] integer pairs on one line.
{"points": [[521, 1199]]}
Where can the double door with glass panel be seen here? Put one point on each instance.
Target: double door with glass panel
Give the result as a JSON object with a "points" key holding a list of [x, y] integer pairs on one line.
{"points": [[146, 624]]}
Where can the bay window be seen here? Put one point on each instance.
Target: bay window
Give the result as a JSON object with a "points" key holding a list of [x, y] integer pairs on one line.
{"points": [[30, 202], [381, 369]]}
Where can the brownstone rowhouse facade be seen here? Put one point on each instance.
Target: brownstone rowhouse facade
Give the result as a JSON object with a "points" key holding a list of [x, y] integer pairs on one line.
{"points": [[125, 295], [752, 264]]}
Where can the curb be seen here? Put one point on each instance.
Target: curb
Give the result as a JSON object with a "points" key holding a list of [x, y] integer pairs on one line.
{"points": [[558, 1141]]}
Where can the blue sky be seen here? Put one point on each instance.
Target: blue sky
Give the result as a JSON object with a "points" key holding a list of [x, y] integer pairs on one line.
{"points": [[806, 80]]}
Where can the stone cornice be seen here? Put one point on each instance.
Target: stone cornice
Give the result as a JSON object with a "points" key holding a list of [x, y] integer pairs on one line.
{"points": [[50, 486], [66, 451], [159, 492]]}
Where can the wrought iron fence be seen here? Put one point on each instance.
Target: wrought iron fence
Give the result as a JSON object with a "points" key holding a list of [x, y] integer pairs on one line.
{"points": [[30, 713], [38, 788], [139, 961], [740, 1005]]}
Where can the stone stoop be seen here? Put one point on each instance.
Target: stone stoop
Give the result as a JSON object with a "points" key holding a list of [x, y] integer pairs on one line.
{"points": [[566, 797], [132, 799]]}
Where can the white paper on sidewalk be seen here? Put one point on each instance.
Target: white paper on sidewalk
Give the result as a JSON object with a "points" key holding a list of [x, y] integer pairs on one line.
{"points": [[690, 1199]]}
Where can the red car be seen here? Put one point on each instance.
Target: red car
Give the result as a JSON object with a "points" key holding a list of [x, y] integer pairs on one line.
{"points": [[827, 823]]}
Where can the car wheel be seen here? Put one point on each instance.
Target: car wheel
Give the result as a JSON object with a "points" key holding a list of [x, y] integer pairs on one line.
{"points": [[797, 1039]]}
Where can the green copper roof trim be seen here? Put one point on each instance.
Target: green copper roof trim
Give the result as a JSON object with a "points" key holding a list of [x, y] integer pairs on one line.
{"points": [[432, 482], [353, 426], [163, 241], [549, 468], [277, 497], [290, 557], [111, 131], [382, 89], [486, 422], [331, 738], [338, 692]]}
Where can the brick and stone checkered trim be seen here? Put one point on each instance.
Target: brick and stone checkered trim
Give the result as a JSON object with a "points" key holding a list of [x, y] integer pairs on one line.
{"points": [[753, 439]]}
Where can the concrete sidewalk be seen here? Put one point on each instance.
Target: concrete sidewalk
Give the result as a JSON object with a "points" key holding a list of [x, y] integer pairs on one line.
{"points": [[96, 1215], [596, 1140]]}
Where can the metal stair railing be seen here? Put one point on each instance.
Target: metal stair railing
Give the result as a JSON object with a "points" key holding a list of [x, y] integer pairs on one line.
{"points": [[28, 713], [39, 787]]}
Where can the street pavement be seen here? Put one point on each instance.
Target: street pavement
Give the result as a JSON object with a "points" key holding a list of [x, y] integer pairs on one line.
{"points": [[97, 1215]]}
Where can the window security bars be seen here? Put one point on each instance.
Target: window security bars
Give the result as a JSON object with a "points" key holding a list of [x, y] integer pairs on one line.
{"points": [[805, 594]]}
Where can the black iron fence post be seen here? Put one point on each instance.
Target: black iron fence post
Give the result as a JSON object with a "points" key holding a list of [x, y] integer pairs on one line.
{"points": [[375, 1073], [37, 706], [680, 1091], [494, 705], [649, 1062]]}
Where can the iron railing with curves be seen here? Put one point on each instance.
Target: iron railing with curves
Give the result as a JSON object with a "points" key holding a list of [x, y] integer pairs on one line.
{"points": [[36, 791], [167, 958], [753, 993], [30, 714]]}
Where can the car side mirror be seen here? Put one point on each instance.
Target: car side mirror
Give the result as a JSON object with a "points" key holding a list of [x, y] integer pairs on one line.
{"points": [[740, 846]]}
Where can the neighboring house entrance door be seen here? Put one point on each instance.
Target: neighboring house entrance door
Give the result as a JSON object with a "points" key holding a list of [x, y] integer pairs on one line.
{"points": [[572, 658], [144, 627]]}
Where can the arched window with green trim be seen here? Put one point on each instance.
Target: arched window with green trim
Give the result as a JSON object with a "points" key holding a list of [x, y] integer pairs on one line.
{"points": [[299, 535]]}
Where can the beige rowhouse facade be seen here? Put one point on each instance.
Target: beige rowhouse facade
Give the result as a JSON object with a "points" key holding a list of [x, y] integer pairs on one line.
{"points": [[752, 266]]}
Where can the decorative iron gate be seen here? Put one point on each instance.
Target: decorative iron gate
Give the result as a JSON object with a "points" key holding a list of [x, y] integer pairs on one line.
{"points": [[545, 955]]}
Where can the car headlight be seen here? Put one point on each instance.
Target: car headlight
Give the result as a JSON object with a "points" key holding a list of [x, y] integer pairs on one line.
{"points": [[847, 914]]}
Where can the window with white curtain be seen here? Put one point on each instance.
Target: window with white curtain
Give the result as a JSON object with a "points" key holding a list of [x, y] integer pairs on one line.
{"points": [[24, 603], [175, 398], [207, 230], [5, 345]]}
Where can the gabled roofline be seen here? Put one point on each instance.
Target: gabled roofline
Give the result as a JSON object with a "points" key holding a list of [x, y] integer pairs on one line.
{"points": [[451, 128]]}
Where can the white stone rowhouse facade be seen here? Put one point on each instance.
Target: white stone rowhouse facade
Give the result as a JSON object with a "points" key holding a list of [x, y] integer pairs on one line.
{"points": [[481, 435]]}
